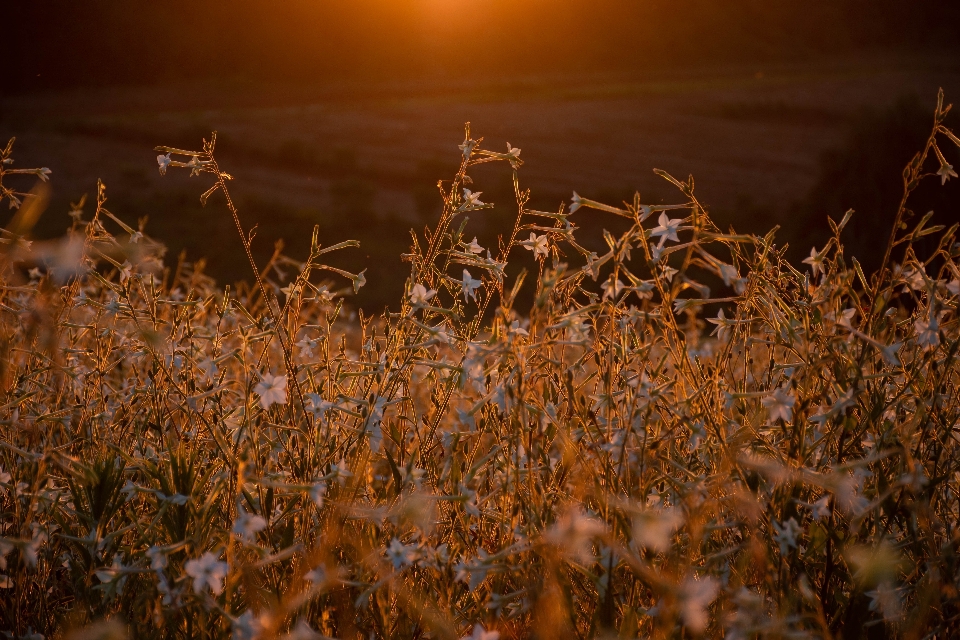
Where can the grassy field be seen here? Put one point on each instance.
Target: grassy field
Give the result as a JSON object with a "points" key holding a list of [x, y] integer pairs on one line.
{"points": [[665, 429], [355, 162]]}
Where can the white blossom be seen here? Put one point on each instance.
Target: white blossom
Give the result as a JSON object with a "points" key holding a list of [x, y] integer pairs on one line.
{"points": [[779, 404], [207, 571], [272, 390]]}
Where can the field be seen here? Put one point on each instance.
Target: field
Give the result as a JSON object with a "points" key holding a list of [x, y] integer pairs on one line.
{"points": [[358, 161], [668, 430]]}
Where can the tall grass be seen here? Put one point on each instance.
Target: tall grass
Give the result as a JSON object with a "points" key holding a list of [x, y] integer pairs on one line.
{"points": [[683, 436]]}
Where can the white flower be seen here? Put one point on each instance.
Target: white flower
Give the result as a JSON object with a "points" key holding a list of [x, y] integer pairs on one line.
{"points": [[479, 633], [612, 287], [272, 390], [469, 285], [946, 172], [318, 406], [516, 329], [723, 324], [821, 508], [576, 202], [467, 147], [573, 533], [303, 631], [780, 404], [654, 529], [474, 247], [695, 596], [538, 244], [158, 558], [954, 287], [248, 627], [248, 525], [43, 172], [340, 472], [512, 151], [194, 165], [401, 555], [786, 535], [318, 492], [111, 573], [419, 294], [207, 571], [729, 274], [164, 162], [815, 260], [928, 331], [667, 229], [886, 600], [471, 199]]}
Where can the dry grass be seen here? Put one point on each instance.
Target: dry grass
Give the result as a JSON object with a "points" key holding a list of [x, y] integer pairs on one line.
{"points": [[199, 462]]}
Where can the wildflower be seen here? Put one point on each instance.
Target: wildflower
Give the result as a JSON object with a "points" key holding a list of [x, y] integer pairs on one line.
{"points": [[469, 285], [401, 555], [513, 155], [954, 287], [516, 329], [538, 244], [667, 229], [158, 558], [946, 172], [780, 404], [32, 549], [272, 390], [359, 281], [474, 247], [248, 627], [612, 287], [927, 331], [815, 260], [695, 596], [419, 295], [303, 631], [43, 172], [248, 525], [576, 202], [317, 576], [340, 472], [475, 571], [207, 571], [655, 252], [890, 354], [723, 324], [729, 274], [164, 162], [479, 633], [471, 199], [886, 600], [573, 532], [821, 508], [318, 492], [194, 165], [786, 535], [467, 147], [654, 529]]}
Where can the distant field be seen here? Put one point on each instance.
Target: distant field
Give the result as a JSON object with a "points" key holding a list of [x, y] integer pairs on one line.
{"points": [[305, 155]]}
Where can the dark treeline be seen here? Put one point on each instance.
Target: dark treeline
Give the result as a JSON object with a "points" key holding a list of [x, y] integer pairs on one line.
{"points": [[50, 44]]}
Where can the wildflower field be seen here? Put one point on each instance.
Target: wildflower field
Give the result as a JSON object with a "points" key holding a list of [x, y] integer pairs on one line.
{"points": [[684, 435]]}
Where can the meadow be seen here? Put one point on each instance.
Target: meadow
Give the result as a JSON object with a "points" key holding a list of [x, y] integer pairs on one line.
{"points": [[682, 434]]}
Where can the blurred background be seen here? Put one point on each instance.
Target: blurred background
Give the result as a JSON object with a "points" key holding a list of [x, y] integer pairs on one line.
{"points": [[345, 113]]}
